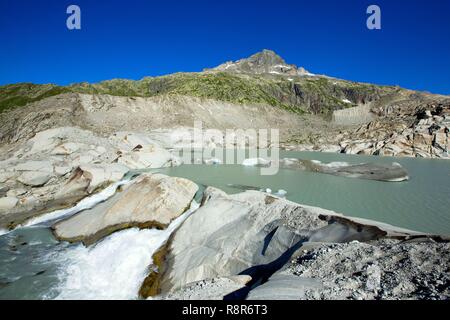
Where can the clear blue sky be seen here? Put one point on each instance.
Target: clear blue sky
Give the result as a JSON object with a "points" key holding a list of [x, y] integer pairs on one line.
{"points": [[136, 38]]}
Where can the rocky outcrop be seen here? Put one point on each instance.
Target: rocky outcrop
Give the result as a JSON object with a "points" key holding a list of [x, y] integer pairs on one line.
{"points": [[41, 172], [87, 179], [257, 235], [153, 200], [58, 167], [426, 137], [7, 203], [408, 131], [34, 173], [253, 234], [138, 151], [210, 251], [413, 127]]}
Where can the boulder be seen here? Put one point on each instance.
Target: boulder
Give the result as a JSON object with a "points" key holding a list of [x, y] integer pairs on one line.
{"points": [[16, 192], [34, 178], [41, 166], [82, 159], [88, 178], [421, 139], [63, 141], [45, 140], [139, 151], [101, 175], [230, 234], [7, 203], [34, 173], [441, 140], [152, 200], [392, 149]]}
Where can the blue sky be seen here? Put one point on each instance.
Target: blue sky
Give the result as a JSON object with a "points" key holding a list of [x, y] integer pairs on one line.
{"points": [[136, 38]]}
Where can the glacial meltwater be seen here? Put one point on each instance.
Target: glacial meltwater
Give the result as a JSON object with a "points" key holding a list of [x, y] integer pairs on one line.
{"points": [[33, 265]]}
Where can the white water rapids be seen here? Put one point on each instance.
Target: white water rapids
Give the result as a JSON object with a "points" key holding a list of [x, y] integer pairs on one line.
{"points": [[114, 268]]}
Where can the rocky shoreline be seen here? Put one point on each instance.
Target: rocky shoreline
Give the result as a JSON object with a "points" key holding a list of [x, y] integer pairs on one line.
{"points": [[395, 131], [254, 245], [251, 245], [58, 167], [268, 239]]}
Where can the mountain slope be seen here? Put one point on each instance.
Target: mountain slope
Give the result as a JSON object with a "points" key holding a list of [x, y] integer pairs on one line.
{"points": [[17, 95], [264, 78], [300, 95]]}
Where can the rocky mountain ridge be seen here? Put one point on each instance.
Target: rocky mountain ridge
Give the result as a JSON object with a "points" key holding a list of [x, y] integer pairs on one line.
{"points": [[264, 62]]}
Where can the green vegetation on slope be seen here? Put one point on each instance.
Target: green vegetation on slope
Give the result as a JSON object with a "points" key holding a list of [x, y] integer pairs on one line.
{"points": [[299, 95], [17, 95], [316, 95]]}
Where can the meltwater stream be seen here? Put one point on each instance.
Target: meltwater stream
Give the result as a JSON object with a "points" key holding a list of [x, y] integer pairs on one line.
{"points": [[28, 269], [116, 267], [33, 265]]}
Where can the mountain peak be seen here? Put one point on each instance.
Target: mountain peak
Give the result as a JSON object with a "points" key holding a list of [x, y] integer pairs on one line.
{"points": [[264, 62], [267, 57]]}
